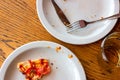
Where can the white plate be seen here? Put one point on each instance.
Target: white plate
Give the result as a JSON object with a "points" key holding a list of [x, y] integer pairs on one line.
{"points": [[63, 68], [76, 10]]}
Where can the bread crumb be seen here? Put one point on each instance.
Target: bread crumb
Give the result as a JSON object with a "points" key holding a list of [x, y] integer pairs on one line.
{"points": [[70, 56], [58, 49], [48, 47]]}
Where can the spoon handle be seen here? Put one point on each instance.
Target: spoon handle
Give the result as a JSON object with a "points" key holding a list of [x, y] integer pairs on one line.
{"points": [[107, 18]]}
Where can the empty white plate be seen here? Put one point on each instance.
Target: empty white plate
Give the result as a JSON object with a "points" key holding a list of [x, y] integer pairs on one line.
{"points": [[77, 10], [63, 68]]}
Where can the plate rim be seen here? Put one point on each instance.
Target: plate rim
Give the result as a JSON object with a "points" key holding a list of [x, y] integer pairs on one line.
{"points": [[27, 46], [60, 37]]}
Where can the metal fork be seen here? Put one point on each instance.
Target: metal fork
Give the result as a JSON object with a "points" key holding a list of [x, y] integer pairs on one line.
{"points": [[82, 23]]}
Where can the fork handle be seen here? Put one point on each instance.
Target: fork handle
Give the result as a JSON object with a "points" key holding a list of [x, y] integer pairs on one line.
{"points": [[109, 18]]}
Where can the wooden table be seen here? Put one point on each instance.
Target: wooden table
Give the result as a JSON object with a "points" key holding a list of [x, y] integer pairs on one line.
{"points": [[19, 24]]}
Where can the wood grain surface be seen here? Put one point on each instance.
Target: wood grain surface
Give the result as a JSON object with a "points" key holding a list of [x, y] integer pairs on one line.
{"points": [[19, 24]]}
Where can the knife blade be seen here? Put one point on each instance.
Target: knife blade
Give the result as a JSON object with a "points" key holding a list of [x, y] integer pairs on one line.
{"points": [[60, 13]]}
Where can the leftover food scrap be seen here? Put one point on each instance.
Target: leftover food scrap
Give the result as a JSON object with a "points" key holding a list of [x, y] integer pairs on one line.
{"points": [[34, 69]]}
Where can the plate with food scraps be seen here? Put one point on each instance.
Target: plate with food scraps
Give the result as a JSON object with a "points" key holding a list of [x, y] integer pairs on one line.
{"points": [[62, 62], [76, 10]]}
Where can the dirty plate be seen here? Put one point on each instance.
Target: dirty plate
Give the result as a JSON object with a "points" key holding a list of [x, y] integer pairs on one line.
{"points": [[65, 66], [77, 10]]}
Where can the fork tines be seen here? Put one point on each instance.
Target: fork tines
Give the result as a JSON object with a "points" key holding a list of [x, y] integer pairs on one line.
{"points": [[72, 27]]}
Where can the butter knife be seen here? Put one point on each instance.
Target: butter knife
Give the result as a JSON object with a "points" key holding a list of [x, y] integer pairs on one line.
{"points": [[60, 13]]}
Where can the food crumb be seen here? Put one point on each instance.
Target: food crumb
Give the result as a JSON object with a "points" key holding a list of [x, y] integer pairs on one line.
{"points": [[48, 47], [58, 48], [52, 64], [53, 25], [64, 0], [70, 56], [56, 67]]}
